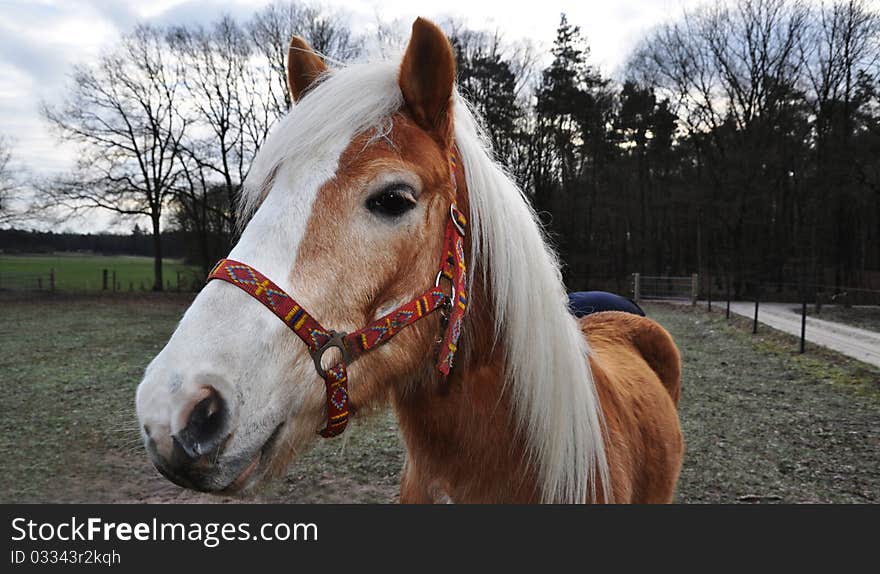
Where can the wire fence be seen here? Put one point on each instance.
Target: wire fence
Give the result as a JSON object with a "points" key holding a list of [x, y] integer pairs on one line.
{"points": [[27, 281], [704, 287], [720, 291], [103, 280], [719, 287], [665, 288]]}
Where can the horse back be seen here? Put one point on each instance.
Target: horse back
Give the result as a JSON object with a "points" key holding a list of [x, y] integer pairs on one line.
{"points": [[637, 372], [619, 335]]}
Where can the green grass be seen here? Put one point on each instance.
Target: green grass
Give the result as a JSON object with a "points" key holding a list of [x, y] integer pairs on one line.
{"points": [[81, 272], [69, 368], [764, 423], [761, 422], [860, 316]]}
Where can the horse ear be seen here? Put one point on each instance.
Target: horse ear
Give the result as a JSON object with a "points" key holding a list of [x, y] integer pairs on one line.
{"points": [[303, 67], [427, 76]]}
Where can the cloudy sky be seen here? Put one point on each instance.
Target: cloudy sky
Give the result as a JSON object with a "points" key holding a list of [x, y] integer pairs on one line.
{"points": [[40, 40]]}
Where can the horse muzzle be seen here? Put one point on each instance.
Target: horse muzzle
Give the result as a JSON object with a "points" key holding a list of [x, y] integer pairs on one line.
{"points": [[186, 448]]}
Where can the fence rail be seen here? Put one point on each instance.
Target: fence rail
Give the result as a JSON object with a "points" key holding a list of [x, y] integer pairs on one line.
{"points": [[27, 281], [719, 286]]}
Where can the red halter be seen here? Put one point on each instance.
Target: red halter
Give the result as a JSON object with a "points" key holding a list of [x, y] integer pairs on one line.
{"points": [[353, 345]]}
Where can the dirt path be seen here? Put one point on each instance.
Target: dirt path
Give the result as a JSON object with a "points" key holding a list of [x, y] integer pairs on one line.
{"points": [[853, 342]]}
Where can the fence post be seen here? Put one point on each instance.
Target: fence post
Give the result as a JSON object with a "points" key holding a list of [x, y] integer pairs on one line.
{"points": [[637, 288], [727, 312], [114, 279], [104, 280], [803, 325], [709, 291], [695, 288], [52, 280], [178, 281], [755, 322], [40, 283]]}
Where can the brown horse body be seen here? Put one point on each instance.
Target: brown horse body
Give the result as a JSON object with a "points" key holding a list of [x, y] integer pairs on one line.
{"points": [[459, 444]]}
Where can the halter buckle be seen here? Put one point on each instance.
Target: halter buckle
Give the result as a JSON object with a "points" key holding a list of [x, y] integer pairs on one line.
{"points": [[337, 339]]}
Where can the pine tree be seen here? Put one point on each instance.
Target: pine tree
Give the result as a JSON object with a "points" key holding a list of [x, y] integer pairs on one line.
{"points": [[573, 108]]}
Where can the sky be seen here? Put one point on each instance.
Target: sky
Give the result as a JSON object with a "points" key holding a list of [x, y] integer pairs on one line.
{"points": [[41, 40]]}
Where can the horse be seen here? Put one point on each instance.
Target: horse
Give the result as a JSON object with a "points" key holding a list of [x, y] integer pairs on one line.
{"points": [[378, 176]]}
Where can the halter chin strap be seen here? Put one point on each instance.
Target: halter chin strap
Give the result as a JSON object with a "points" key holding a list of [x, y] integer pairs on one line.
{"points": [[353, 345]]}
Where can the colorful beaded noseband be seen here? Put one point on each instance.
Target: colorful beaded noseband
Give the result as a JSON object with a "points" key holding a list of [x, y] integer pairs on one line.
{"points": [[352, 345]]}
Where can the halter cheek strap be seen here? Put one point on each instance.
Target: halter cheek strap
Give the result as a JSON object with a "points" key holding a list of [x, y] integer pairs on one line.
{"points": [[455, 270], [353, 345]]}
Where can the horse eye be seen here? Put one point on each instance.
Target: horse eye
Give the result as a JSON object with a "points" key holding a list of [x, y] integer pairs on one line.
{"points": [[392, 201]]}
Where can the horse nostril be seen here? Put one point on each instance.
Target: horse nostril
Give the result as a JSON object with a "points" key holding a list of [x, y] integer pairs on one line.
{"points": [[206, 427]]}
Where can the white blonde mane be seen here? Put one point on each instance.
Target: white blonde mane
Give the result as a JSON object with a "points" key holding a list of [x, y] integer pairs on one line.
{"points": [[551, 385]]}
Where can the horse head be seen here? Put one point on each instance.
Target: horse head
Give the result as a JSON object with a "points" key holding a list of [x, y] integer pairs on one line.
{"points": [[346, 204]]}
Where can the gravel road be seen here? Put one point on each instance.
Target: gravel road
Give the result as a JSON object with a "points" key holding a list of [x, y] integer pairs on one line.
{"points": [[853, 342]]}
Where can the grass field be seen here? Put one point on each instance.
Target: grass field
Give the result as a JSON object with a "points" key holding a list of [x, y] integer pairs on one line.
{"points": [[859, 316], [82, 272], [69, 366], [761, 422]]}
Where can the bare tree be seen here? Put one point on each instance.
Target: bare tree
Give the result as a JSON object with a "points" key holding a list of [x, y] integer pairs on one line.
{"points": [[842, 61], [843, 39], [273, 26], [225, 105], [10, 184], [724, 61], [122, 115], [235, 90], [729, 71]]}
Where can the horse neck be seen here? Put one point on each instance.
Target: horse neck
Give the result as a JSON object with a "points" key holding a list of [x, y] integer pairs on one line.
{"points": [[460, 433]]}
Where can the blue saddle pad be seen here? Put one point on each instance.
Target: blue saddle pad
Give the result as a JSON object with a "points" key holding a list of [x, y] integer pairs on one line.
{"points": [[583, 303]]}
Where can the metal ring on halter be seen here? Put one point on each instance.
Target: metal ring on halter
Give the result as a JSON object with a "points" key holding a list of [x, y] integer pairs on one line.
{"points": [[452, 210], [450, 301], [336, 340]]}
